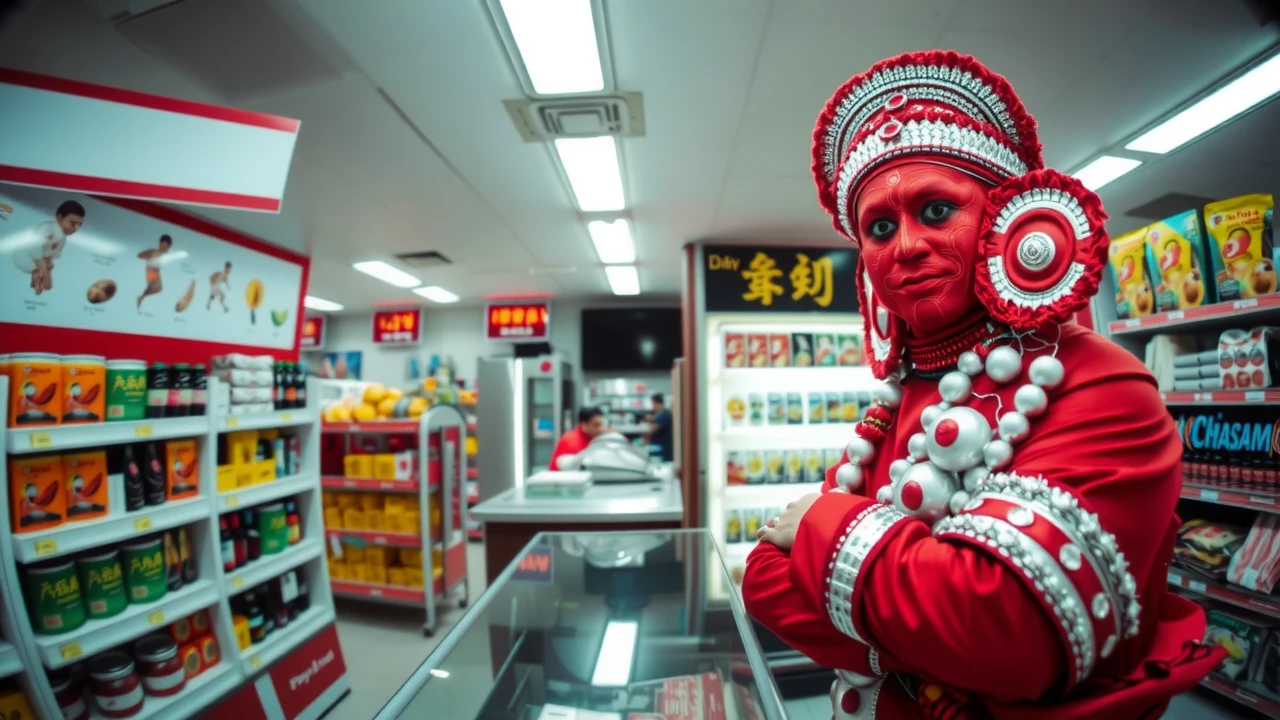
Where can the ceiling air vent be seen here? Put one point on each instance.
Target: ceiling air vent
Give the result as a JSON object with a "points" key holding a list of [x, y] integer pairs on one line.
{"points": [[620, 114], [427, 259]]}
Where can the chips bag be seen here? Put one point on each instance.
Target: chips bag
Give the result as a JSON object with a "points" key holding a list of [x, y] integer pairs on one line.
{"points": [[1241, 246], [1178, 247], [1131, 268]]}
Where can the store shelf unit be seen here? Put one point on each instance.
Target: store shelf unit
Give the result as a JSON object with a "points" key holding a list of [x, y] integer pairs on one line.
{"points": [[337, 482], [1243, 694], [1260, 501], [442, 439], [1257, 602], [33, 653]]}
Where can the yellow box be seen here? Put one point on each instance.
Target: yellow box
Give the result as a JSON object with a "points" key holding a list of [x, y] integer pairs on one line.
{"points": [[226, 477], [437, 560], [337, 570], [264, 471], [394, 504], [397, 576], [370, 501], [399, 523], [357, 572], [375, 520], [13, 704], [333, 518], [242, 447], [413, 522], [410, 557], [243, 638], [327, 499], [473, 448], [384, 466], [414, 577], [358, 466], [376, 555], [244, 475], [377, 574], [352, 520], [353, 554], [347, 501]]}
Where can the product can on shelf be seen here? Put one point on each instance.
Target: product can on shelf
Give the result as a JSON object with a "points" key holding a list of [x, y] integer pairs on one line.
{"points": [[116, 686], [54, 599], [102, 581], [145, 574], [180, 388], [159, 665], [158, 386], [273, 526], [69, 696], [126, 390], [199, 390], [84, 399], [35, 395]]}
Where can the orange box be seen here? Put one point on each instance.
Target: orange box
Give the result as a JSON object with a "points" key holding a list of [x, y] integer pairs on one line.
{"points": [[209, 652], [333, 518], [84, 394], [84, 476], [181, 631], [377, 574], [397, 576], [35, 389], [182, 474], [35, 493], [375, 520], [200, 624], [371, 502], [192, 664]]}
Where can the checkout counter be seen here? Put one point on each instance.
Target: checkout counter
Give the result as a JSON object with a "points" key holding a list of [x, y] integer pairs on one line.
{"points": [[597, 626], [614, 488]]}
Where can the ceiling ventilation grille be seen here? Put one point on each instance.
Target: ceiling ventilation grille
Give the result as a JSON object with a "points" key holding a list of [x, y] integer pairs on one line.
{"points": [[427, 259], [619, 114]]}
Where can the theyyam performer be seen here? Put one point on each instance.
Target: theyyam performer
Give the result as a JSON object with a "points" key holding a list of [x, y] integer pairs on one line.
{"points": [[996, 540]]}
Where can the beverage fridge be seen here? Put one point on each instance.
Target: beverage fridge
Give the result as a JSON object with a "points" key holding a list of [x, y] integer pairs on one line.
{"points": [[525, 406]]}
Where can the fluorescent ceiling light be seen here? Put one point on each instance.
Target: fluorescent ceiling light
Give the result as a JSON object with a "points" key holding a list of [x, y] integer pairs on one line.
{"points": [[1104, 170], [594, 175], [321, 304], [623, 279], [437, 672], [387, 273], [617, 653], [613, 241], [435, 293], [1232, 99], [557, 43]]}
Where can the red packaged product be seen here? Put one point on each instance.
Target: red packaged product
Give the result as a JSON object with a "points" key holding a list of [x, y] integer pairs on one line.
{"points": [[780, 351], [758, 351], [116, 687], [1256, 565], [735, 350]]}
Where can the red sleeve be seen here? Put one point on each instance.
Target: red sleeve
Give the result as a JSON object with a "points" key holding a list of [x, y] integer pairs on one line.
{"points": [[570, 443]]}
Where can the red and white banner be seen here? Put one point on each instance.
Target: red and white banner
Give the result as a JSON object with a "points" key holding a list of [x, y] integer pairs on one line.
{"points": [[312, 333], [518, 321], [397, 327], [302, 678], [89, 138]]}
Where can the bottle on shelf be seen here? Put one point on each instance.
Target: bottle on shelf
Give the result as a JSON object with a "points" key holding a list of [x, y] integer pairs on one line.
{"points": [[157, 390], [240, 539], [278, 386], [290, 387], [180, 389], [253, 611], [172, 562], [134, 486], [301, 378], [188, 557], [199, 390], [304, 595], [153, 476], [228, 545], [294, 522], [253, 536]]}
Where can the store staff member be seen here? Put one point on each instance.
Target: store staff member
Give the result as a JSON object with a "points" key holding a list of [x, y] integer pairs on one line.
{"points": [[660, 428], [590, 424]]}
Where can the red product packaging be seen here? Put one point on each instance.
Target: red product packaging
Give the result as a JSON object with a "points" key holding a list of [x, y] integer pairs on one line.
{"points": [[735, 350], [758, 351], [780, 351], [692, 697]]}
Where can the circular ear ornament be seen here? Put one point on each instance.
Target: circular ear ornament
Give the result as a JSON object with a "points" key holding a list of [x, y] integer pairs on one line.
{"points": [[1042, 251]]}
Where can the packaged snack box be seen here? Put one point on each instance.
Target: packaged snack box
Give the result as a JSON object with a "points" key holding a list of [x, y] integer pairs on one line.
{"points": [[1239, 635], [833, 407], [733, 526], [758, 351], [793, 462], [751, 522], [775, 471], [780, 351], [1131, 268], [795, 409], [817, 409], [802, 349], [36, 498], [183, 464], [850, 350], [826, 349], [85, 475], [735, 410], [1178, 247], [1240, 245], [777, 409], [755, 401], [1245, 358], [735, 469], [735, 350], [755, 467], [813, 468]]}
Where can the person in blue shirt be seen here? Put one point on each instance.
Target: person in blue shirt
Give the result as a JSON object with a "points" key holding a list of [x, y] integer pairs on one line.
{"points": [[660, 428]]}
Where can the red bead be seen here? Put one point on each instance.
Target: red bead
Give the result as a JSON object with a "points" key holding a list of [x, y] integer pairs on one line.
{"points": [[946, 431], [912, 496], [880, 412], [850, 701]]}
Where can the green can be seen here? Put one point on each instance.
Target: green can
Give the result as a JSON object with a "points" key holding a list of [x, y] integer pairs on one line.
{"points": [[126, 390], [145, 574], [53, 598], [102, 581], [273, 526]]}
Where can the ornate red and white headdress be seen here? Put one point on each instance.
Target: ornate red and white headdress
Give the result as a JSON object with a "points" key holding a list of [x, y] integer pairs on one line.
{"points": [[1043, 246]]}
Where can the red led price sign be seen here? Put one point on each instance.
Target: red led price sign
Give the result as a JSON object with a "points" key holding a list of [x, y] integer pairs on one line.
{"points": [[518, 322], [397, 327], [312, 333]]}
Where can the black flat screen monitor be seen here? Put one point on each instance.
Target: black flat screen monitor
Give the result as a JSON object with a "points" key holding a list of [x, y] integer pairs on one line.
{"points": [[629, 340]]}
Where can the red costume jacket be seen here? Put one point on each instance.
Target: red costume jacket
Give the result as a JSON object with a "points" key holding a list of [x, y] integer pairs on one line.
{"points": [[1001, 618]]}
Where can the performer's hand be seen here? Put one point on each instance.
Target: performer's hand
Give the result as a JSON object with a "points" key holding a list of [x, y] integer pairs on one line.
{"points": [[781, 531]]}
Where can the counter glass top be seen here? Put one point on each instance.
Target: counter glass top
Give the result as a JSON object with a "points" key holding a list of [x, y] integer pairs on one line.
{"points": [[602, 503], [619, 624]]}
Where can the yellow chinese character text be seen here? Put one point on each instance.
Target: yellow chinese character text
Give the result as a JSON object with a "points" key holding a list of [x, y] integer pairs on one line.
{"points": [[760, 277], [812, 279]]}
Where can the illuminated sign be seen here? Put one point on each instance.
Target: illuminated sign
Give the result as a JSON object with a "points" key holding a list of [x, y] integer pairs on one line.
{"points": [[779, 279], [397, 327], [536, 566], [312, 333], [518, 322]]}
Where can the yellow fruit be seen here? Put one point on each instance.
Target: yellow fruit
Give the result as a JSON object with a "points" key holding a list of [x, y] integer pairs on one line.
{"points": [[430, 384], [365, 413], [417, 406], [386, 407], [395, 393], [253, 294], [374, 394], [340, 413]]}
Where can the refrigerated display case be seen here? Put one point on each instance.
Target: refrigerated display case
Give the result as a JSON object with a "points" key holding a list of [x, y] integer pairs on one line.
{"points": [[527, 404]]}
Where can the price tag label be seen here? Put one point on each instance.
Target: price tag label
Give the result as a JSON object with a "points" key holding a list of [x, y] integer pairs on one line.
{"points": [[1206, 397], [40, 440], [375, 592], [387, 486], [237, 583], [1255, 396], [255, 662], [1197, 586], [142, 524], [1246, 696], [1176, 315], [1210, 495], [335, 544], [233, 422], [46, 547], [1262, 500], [285, 417], [1132, 323], [1242, 304], [144, 431], [71, 651], [379, 540], [156, 618], [233, 502], [349, 483]]}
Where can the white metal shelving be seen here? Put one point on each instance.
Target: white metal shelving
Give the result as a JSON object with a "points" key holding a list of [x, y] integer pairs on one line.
{"points": [[60, 438], [267, 492], [10, 660], [73, 537], [269, 566], [278, 644]]}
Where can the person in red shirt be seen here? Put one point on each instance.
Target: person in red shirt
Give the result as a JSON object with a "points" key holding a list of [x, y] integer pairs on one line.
{"points": [[996, 539], [590, 424]]}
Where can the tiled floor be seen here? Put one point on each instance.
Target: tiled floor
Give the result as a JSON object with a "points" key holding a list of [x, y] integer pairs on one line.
{"points": [[384, 644]]}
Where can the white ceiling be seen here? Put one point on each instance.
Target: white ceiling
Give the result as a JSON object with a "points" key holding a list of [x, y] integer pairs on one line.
{"points": [[731, 91]]}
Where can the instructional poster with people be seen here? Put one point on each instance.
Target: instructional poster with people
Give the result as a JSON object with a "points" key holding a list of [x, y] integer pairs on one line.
{"points": [[69, 260]]}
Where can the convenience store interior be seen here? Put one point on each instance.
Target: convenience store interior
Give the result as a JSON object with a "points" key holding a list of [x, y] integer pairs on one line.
{"points": [[421, 147]]}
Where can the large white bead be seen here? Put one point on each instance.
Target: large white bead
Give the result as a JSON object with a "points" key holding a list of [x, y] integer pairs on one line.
{"points": [[860, 450], [849, 476], [929, 415], [957, 437], [958, 501], [925, 492], [1031, 400], [969, 363], [1046, 371], [917, 445], [889, 394], [997, 454], [974, 477], [898, 468], [884, 495], [1014, 427], [955, 387], [1003, 364]]}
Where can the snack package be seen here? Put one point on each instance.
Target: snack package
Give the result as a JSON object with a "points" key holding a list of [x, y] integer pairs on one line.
{"points": [[756, 473], [833, 407], [735, 350], [849, 407], [1239, 635], [736, 410], [774, 464], [1240, 246], [795, 409], [777, 409], [1245, 361], [850, 350], [1132, 269], [780, 351], [1256, 564], [758, 351], [751, 521], [1178, 247], [802, 349], [831, 458], [864, 402], [793, 462], [817, 409], [735, 469], [733, 526], [755, 406], [826, 349], [1207, 547], [813, 467]]}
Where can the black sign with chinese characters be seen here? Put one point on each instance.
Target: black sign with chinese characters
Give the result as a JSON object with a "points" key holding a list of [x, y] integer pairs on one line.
{"points": [[779, 279]]}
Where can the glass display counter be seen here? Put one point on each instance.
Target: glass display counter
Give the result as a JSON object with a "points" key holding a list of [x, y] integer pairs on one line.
{"points": [[599, 626]]}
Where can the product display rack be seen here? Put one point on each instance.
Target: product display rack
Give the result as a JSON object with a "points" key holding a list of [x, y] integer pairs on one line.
{"points": [[443, 473], [213, 588], [475, 531]]}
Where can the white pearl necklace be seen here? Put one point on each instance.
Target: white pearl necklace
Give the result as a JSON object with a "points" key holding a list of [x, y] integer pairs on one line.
{"points": [[958, 448]]}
